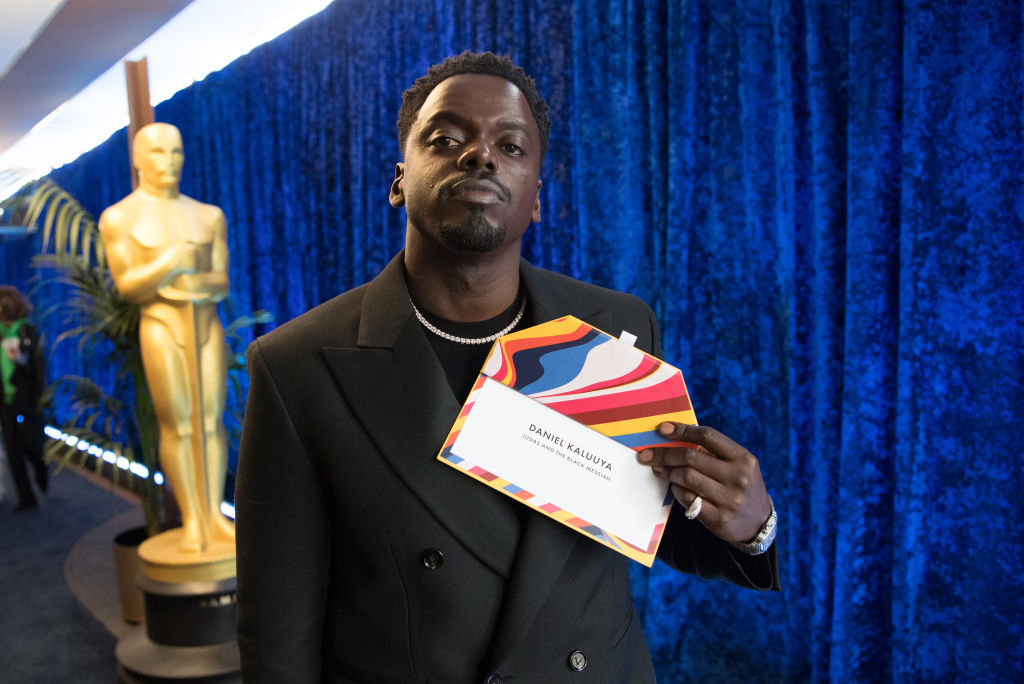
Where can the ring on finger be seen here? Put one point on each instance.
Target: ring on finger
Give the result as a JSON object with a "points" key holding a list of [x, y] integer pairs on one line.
{"points": [[694, 509]]}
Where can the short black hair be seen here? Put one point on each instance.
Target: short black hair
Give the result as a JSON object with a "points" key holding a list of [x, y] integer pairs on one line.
{"points": [[473, 63]]}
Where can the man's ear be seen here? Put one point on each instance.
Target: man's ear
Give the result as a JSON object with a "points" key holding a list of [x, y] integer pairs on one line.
{"points": [[535, 216], [397, 195]]}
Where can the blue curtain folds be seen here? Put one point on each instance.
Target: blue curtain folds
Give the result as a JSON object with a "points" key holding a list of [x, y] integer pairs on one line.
{"points": [[823, 203]]}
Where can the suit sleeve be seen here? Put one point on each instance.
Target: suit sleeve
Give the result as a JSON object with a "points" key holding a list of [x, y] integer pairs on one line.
{"points": [[283, 540], [689, 547]]}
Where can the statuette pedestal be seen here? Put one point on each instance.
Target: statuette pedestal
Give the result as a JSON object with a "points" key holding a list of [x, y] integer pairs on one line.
{"points": [[190, 601]]}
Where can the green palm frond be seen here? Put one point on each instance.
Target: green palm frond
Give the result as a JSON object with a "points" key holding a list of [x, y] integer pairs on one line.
{"points": [[92, 310], [68, 229], [255, 318], [87, 399]]}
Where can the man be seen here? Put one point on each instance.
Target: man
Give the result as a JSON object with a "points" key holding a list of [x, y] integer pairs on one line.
{"points": [[169, 253], [361, 558]]}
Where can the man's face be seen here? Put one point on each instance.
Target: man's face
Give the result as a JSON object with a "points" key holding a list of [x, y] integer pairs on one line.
{"points": [[470, 179], [158, 155]]}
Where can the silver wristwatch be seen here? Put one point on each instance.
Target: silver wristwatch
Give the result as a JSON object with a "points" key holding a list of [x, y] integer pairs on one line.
{"points": [[763, 541]]}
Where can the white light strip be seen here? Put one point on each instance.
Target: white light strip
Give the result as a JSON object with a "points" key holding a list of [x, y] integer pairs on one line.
{"points": [[134, 467], [204, 37]]}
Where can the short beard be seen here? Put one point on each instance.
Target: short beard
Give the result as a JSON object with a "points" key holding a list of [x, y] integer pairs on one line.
{"points": [[474, 234]]}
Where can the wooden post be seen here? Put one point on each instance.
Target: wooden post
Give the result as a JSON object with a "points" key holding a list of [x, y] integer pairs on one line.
{"points": [[140, 111]]}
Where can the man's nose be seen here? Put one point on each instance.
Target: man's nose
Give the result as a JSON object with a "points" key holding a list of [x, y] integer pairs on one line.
{"points": [[478, 155]]}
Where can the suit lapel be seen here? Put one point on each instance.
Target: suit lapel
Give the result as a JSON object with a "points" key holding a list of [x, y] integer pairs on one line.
{"points": [[398, 390], [545, 545]]}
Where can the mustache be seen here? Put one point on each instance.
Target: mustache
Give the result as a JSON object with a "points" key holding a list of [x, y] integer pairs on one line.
{"points": [[485, 181]]}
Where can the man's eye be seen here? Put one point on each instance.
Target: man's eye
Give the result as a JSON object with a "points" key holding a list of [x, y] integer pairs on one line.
{"points": [[512, 149], [443, 142]]}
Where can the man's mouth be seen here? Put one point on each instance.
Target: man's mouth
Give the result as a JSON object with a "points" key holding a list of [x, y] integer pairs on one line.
{"points": [[478, 191]]}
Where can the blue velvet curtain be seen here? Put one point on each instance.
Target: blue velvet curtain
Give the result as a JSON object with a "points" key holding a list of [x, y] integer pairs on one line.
{"points": [[823, 203]]}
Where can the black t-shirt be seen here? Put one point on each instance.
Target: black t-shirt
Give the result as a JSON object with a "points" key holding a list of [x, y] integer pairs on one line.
{"points": [[462, 362]]}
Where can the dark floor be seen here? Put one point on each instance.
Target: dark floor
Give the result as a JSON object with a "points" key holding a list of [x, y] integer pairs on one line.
{"points": [[60, 615]]}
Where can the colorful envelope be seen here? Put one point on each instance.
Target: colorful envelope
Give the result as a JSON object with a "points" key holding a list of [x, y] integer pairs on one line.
{"points": [[554, 421]]}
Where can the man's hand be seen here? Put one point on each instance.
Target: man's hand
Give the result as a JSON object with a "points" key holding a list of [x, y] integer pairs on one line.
{"points": [[724, 474]]}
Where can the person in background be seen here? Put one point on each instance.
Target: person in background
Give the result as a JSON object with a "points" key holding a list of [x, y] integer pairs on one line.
{"points": [[22, 370]]}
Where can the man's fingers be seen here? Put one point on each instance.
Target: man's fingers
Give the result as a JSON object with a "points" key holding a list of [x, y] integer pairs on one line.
{"points": [[709, 465], [693, 482], [679, 458], [703, 436]]}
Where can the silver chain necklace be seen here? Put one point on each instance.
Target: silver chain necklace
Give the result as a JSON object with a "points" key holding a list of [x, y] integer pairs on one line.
{"points": [[469, 340]]}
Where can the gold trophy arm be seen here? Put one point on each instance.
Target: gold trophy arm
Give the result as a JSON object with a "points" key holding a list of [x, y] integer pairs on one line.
{"points": [[210, 282], [137, 282]]}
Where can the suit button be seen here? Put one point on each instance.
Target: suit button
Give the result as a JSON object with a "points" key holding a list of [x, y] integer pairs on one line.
{"points": [[432, 559], [493, 679], [577, 660]]}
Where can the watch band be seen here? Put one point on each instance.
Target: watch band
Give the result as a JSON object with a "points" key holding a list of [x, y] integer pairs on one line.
{"points": [[763, 541]]}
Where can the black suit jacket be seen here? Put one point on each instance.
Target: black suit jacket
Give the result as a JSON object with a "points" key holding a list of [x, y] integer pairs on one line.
{"points": [[361, 558], [28, 378]]}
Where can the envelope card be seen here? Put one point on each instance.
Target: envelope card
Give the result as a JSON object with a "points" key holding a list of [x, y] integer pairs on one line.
{"points": [[554, 420]]}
